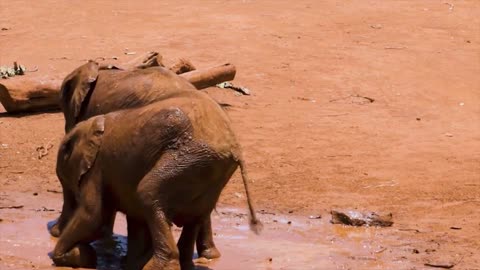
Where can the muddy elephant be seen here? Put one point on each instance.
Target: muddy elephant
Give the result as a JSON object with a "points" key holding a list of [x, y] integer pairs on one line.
{"points": [[90, 90], [161, 164]]}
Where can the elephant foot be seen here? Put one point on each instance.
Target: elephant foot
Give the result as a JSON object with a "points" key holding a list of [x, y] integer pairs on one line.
{"points": [[55, 230], [135, 263], [210, 253], [187, 265], [155, 265], [82, 255]]}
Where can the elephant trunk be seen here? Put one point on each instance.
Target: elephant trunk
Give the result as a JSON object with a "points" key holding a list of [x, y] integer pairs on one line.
{"points": [[255, 225]]}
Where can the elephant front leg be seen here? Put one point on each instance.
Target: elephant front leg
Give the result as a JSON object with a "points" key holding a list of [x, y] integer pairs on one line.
{"points": [[68, 209], [205, 245], [72, 248]]}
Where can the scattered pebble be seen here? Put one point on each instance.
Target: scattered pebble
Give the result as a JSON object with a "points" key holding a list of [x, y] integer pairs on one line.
{"points": [[44, 209], [35, 193], [289, 222], [418, 118], [315, 217]]}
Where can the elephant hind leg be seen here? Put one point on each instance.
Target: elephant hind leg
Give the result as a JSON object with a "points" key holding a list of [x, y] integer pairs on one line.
{"points": [[139, 247], [165, 252], [205, 246], [186, 244]]}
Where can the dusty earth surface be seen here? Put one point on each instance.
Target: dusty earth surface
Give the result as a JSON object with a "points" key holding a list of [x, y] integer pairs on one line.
{"points": [[313, 138]]}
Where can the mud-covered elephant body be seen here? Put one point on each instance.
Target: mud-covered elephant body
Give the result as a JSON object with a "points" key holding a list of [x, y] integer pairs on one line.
{"points": [[89, 91], [159, 164]]}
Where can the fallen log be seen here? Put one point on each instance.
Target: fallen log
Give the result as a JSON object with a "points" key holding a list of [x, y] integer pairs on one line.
{"points": [[24, 94], [27, 95], [209, 77]]}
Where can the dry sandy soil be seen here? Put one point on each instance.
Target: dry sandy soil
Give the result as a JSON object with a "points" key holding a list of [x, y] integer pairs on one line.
{"points": [[312, 140]]}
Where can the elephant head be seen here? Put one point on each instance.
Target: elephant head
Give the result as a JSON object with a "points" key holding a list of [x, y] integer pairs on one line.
{"points": [[79, 150], [75, 91]]}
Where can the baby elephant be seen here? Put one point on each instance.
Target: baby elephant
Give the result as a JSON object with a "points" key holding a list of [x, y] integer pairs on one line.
{"points": [[162, 164]]}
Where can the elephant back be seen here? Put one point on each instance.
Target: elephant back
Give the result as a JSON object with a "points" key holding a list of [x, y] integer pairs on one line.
{"points": [[117, 89]]}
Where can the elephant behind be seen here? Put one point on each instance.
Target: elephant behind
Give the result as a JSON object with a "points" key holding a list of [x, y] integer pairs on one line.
{"points": [[163, 163]]}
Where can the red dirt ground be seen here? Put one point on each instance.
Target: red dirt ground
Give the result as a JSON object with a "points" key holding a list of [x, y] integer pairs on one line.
{"points": [[312, 141]]}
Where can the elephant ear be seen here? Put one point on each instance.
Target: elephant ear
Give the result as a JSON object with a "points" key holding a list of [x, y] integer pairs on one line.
{"points": [[74, 91], [79, 150], [90, 145]]}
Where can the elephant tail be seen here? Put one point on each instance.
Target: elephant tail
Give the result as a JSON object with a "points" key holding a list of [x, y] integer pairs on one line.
{"points": [[255, 225]]}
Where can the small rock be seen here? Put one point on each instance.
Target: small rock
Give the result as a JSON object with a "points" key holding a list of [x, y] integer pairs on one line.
{"points": [[355, 218], [415, 251], [418, 118], [449, 134], [270, 259], [35, 193], [289, 222], [461, 103], [376, 26], [315, 217]]}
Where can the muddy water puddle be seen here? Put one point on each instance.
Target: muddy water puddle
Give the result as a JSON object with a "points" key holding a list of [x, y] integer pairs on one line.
{"points": [[287, 242]]}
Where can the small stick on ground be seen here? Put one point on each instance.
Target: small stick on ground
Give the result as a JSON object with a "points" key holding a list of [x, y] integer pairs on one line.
{"points": [[11, 207], [444, 266]]}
